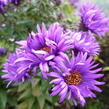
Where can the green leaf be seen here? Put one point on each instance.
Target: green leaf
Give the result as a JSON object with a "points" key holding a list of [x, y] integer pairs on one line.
{"points": [[41, 101], [36, 91], [106, 68], [3, 98], [31, 102], [47, 107], [55, 99], [12, 101], [97, 104], [98, 59], [36, 104], [23, 86], [25, 94], [23, 105]]}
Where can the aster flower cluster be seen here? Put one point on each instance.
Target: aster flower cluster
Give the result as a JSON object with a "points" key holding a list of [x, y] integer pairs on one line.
{"points": [[65, 57]]}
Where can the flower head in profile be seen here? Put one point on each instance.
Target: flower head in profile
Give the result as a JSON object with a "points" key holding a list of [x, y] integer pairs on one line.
{"points": [[75, 78], [19, 67], [92, 19], [45, 45], [83, 42]]}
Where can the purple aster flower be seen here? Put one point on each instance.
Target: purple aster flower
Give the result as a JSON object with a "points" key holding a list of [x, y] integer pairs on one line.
{"points": [[83, 42], [19, 67], [45, 45], [3, 51], [3, 3], [93, 20], [75, 78]]}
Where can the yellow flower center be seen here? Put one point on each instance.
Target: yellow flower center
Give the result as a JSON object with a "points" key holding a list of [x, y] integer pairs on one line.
{"points": [[74, 79], [46, 48]]}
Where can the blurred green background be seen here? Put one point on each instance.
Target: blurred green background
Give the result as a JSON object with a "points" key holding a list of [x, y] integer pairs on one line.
{"points": [[16, 24]]}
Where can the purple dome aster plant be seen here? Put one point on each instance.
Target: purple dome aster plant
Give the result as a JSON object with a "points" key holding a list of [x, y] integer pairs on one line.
{"points": [[75, 78], [45, 49], [83, 42], [92, 19]]}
